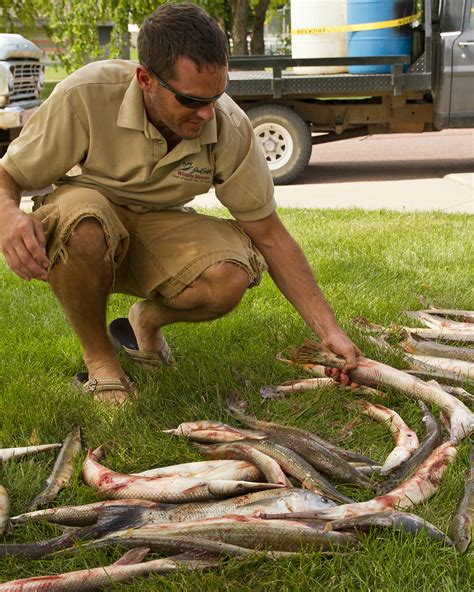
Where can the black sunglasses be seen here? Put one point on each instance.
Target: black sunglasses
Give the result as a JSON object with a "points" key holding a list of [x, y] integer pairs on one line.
{"points": [[188, 101]]}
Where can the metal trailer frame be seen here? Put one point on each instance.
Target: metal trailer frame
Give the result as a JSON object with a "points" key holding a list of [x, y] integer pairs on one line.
{"points": [[274, 81]]}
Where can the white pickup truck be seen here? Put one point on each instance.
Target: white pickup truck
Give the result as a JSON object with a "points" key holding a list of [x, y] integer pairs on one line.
{"points": [[21, 81]]}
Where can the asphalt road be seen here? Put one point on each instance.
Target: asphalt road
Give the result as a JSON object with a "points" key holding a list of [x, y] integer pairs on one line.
{"points": [[403, 172], [392, 157]]}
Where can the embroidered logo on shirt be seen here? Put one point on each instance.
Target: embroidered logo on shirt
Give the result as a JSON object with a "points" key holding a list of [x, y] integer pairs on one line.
{"points": [[188, 172]]}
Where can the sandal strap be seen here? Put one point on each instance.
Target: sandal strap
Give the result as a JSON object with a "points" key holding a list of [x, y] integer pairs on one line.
{"points": [[99, 385], [150, 358]]}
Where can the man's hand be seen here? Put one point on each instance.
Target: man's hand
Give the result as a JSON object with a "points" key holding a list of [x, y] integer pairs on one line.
{"points": [[292, 274], [340, 344], [24, 245]]}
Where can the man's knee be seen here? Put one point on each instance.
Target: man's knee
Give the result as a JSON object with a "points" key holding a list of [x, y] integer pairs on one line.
{"points": [[223, 285], [217, 290], [87, 238]]}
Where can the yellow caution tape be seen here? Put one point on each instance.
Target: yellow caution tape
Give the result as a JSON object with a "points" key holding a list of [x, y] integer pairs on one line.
{"points": [[361, 27]]}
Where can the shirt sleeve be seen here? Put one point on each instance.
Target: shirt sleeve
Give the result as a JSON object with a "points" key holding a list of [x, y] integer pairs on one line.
{"points": [[242, 180], [49, 145]]}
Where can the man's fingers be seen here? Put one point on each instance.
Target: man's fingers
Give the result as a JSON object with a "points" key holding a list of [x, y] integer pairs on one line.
{"points": [[19, 259], [24, 249], [351, 364], [36, 243], [345, 380], [38, 230]]}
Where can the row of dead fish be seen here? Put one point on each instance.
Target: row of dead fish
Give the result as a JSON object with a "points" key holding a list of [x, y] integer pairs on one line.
{"points": [[241, 499], [428, 352], [276, 521]]}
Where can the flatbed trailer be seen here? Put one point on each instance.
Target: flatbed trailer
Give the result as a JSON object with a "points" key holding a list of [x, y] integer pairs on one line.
{"points": [[428, 91]]}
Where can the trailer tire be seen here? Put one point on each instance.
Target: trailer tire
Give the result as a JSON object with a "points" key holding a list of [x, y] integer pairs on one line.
{"points": [[285, 139]]}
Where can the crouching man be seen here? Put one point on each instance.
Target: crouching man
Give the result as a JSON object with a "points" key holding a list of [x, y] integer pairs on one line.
{"points": [[148, 138]]}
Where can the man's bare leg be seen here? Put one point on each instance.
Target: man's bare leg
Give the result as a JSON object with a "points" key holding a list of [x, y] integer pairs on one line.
{"points": [[216, 292], [82, 285]]}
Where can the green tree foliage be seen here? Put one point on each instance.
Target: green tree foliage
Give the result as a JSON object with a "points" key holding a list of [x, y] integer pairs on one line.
{"points": [[19, 16], [73, 24]]}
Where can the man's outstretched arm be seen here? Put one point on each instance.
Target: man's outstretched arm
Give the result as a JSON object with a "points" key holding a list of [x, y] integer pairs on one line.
{"points": [[21, 236], [292, 273]]}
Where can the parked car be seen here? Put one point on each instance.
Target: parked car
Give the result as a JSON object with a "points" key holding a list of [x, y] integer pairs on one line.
{"points": [[21, 81]]}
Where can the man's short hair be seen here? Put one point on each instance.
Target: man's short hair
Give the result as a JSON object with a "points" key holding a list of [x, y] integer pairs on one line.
{"points": [[181, 30]]}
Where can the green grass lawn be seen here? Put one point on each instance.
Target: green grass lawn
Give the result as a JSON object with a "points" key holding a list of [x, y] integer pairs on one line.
{"points": [[375, 264], [52, 75]]}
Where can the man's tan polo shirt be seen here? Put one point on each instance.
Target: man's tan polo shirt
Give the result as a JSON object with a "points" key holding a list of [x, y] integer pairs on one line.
{"points": [[96, 118]]}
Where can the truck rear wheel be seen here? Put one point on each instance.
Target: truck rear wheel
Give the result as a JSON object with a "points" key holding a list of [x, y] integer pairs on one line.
{"points": [[285, 140]]}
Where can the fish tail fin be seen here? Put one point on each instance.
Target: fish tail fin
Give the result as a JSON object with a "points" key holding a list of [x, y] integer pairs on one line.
{"points": [[99, 453], [235, 402], [133, 556]]}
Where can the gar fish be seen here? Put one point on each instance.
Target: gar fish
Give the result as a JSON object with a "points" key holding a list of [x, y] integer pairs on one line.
{"points": [[371, 372], [366, 469], [420, 487], [253, 504], [406, 439], [219, 436], [8, 453], [294, 500], [229, 469], [323, 459], [112, 520], [448, 334], [304, 384], [293, 464], [458, 392], [245, 531], [442, 366], [405, 521], [125, 569], [439, 333], [314, 369], [460, 368], [266, 464], [238, 406], [301, 384], [115, 485], [229, 433], [463, 520], [436, 322], [181, 543], [466, 316], [187, 468], [430, 373], [89, 514], [415, 345], [4, 509], [84, 515], [62, 470], [433, 438]]}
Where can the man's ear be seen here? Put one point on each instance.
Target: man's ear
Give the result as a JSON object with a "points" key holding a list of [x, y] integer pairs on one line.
{"points": [[144, 79]]}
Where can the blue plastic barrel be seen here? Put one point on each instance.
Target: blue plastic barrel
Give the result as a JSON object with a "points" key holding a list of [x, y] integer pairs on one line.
{"points": [[378, 42]]}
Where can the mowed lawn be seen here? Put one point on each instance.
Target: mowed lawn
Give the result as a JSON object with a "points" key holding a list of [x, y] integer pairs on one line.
{"points": [[375, 264]]}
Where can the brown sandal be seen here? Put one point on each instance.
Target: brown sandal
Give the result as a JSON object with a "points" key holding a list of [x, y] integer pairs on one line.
{"points": [[99, 386], [123, 337]]}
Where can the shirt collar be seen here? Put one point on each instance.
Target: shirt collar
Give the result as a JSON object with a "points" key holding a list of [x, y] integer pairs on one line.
{"points": [[132, 108], [132, 115]]}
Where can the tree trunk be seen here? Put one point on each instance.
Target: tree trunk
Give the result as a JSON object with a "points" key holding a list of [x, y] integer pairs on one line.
{"points": [[257, 45], [240, 13]]}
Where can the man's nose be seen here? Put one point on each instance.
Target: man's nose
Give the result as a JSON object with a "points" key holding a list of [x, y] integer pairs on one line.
{"points": [[206, 112]]}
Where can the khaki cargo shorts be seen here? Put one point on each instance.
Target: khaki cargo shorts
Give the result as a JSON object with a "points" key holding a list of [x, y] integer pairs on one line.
{"points": [[155, 254]]}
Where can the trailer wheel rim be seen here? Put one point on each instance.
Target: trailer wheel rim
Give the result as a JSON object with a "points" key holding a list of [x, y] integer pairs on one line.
{"points": [[276, 143]]}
